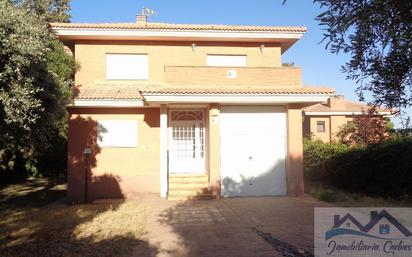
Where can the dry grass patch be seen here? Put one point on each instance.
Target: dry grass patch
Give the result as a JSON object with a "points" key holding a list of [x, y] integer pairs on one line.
{"points": [[127, 219], [82, 230]]}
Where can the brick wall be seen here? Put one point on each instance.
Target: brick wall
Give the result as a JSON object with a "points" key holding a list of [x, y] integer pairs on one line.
{"points": [[244, 76]]}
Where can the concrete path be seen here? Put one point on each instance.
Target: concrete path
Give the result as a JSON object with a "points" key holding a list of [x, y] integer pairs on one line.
{"points": [[226, 227]]}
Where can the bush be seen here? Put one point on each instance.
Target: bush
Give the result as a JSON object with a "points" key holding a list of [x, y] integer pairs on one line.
{"points": [[383, 169], [316, 153]]}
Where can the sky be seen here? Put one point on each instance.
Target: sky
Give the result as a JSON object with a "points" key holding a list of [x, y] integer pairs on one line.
{"points": [[319, 67]]}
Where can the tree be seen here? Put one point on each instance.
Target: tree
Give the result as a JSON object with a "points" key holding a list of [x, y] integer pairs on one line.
{"points": [[50, 10], [365, 129], [35, 79], [377, 34]]}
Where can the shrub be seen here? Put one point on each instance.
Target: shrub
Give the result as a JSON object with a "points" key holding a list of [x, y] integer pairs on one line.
{"points": [[383, 169], [316, 153]]}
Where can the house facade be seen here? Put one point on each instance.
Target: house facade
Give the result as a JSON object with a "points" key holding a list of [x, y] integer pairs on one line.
{"points": [[325, 120], [182, 110]]}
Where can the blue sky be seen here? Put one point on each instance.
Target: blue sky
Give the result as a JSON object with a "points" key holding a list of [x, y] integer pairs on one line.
{"points": [[319, 67]]}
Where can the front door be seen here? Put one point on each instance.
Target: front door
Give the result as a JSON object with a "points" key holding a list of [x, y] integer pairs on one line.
{"points": [[186, 141]]}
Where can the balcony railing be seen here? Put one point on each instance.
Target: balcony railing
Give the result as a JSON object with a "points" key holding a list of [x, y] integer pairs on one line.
{"points": [[235, 76]]}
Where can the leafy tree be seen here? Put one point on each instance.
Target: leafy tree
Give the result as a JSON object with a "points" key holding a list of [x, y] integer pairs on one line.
{"points": [[35, 80], [50, 10], [377, 34], [365, 129]]}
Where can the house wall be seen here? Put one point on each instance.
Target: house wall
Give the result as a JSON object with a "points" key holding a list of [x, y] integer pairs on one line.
{"points": [[245, 76], [91, 56], [336, 123], [214, 149], [333, 124], [295, 150], [324, 136], [114, 172]]}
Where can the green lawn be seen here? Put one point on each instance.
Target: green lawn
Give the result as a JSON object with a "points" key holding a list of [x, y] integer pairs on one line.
{"points": [[31, 227]]}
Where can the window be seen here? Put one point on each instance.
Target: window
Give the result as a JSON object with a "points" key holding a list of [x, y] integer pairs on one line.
{"points": [[117, 133], [126, 66], [320, 126], [226, 60]]}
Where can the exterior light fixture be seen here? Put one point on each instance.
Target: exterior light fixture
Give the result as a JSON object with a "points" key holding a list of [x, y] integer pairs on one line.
{"points": [[262, 47], [193, 47]]}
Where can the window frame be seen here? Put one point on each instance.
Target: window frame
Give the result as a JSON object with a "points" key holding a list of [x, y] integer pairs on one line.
{"points": [[320, 123]]}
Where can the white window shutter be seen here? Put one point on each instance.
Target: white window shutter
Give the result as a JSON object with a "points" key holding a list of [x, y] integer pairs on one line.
{"points": [[117, 133], [227, 60], [127, 66]]}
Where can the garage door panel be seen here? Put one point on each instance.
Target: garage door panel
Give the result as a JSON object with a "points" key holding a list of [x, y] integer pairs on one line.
{"points": [[253, 151]]}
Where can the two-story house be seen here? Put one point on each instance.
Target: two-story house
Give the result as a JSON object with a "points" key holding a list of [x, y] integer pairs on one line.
{"points": [[184, 110]]}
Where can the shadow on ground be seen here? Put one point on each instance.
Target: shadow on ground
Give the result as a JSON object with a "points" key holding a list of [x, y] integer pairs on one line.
{"points": [[107, 229], [34, 192], [227, 227]]}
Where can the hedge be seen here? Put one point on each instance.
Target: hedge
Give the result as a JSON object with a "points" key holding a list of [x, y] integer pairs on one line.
{"points": [[383, 169]]}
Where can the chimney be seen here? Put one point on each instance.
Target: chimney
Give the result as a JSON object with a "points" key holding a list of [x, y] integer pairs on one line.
{"points": [[337, 102], [141, 18]]}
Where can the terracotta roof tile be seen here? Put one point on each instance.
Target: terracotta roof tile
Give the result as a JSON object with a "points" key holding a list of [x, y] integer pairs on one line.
{"points": [[349, 107], [235, 90], [131, 92], [107, 92], [317, 108], [169, 26]]}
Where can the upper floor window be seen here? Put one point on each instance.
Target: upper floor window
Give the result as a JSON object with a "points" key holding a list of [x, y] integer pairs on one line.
{"points": [[226, 60], [320, 126], [126, 66]]}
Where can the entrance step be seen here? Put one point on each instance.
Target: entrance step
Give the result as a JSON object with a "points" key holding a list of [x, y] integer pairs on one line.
{"points": [[188, 178], [189, 187]]}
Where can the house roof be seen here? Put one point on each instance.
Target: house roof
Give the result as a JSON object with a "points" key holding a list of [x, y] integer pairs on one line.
{"points": [[170, 26], [152, 31], [131, 92], [107, 92], [235, 90], [349, 107]]}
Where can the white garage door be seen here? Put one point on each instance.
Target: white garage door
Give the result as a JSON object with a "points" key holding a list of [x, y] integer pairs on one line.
{"points": [[253, 145]]}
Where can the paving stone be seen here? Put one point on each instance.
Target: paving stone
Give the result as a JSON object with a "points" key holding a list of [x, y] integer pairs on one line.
{"points": [[227, 227]]}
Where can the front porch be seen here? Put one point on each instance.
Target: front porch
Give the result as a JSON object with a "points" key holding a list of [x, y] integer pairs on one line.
{"points": [[188, 150]]}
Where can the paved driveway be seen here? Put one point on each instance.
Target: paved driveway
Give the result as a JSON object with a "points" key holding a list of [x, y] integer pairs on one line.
{"points": [[226, 227]]}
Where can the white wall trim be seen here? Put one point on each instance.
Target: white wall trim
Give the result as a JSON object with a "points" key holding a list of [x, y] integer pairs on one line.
{"points": [[337, 113], [236, 99], [168, 33], [108, 103], [163, 151]]}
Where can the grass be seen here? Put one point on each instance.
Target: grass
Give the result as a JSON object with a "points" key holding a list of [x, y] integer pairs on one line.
{"points": [[35, 192], [345, 199], [30, 227]]}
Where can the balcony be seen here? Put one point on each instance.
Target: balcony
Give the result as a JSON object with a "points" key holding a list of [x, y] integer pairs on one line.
{"points": [[233, 76]]}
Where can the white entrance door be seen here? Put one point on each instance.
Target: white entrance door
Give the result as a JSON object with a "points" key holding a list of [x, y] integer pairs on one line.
{"points": [[187, 141], [253, 150]]}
